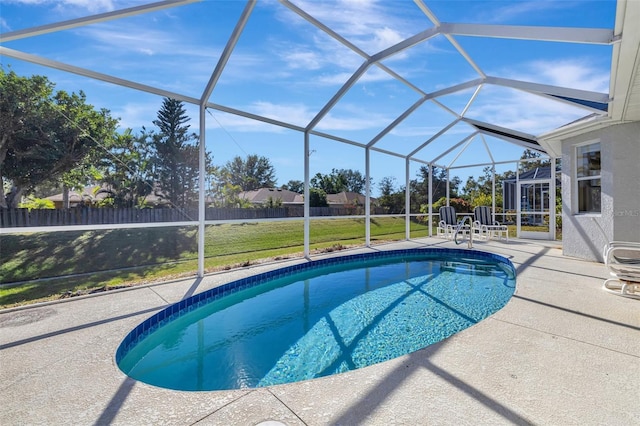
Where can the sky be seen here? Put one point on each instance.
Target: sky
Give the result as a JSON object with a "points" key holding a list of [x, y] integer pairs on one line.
{"points": [[286, 69]]}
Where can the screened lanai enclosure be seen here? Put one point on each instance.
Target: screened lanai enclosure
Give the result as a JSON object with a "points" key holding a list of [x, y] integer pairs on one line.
{"points": [[396, 90]]}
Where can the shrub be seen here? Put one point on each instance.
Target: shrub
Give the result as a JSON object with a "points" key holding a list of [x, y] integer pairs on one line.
{"points": [[37, 203]]}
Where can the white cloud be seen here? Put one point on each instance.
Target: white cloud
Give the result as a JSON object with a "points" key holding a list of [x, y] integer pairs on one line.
{"points": [[4, 26], [574, 73], [523, 111], [329, 60], [124, 38], [351, 118], [334, 79], [296, 114], [515, 9], [370, 24], [375, 74], [289, 113], [233, 124], [299, 59], [534, 114], [134, 115], [425, 131], [91, 6], [385, 37]]}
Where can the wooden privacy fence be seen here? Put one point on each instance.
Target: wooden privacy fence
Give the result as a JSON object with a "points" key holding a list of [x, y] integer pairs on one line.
{"points": [[14, 218], [10, 218]]}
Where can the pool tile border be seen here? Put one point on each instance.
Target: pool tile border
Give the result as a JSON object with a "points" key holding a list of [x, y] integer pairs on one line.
{"points": [[189, 304]]}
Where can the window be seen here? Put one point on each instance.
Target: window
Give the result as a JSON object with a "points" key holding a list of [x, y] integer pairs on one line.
{"points": [[588, 178]]}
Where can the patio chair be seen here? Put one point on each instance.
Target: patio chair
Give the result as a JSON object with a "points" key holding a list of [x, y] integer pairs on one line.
{"points": [[623, 260], [448, 222], [485, 227]]}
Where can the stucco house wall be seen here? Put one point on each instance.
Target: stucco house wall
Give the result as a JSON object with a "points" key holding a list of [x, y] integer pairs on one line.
{"points": [[585, 235]]}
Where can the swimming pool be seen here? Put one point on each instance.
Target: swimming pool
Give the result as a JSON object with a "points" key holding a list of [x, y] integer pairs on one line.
{"points": [[315, 319]]}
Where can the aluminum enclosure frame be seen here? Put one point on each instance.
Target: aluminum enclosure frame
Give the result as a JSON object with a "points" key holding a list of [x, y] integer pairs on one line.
{"points": [[576, 98]]}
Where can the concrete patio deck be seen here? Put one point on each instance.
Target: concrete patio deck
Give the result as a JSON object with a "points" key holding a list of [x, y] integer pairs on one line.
{"points": [[561, 352]]}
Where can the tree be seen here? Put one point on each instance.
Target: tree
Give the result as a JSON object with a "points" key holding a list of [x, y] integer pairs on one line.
{"points": [[22, 101], [339, 180], [128, 171], [327, 183], [535, 158], [355, 182], [478, 191], [461, 205], [294, 186], [45, 135], [228, 195], [175, 163], [317, 198], [253, 173], [387, 185], [474, 187], [420, 187], [37, 203], [390, 199]]}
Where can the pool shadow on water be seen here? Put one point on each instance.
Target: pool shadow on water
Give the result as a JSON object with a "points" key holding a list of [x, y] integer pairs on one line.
{"points": [[359, 413], [346, 351]]}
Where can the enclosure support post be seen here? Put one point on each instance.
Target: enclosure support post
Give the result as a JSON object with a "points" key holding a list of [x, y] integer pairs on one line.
{"points": [[493, 192], [367, 198], [448, 189], [430, 200], [407, 201], [201, 190], [307, 210], [552, 200], [518, 201]]}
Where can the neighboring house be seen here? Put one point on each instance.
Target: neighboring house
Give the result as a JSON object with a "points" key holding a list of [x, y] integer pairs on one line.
{"points": [[95, 193], [530, 191], [88, 194], [263, 195], [289, 198], [347, 199]]}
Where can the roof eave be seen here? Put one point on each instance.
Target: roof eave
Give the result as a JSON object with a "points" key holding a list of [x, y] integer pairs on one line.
{"points": [[552, 141]]}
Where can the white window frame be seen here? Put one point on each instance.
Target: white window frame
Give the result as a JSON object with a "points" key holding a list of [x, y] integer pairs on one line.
{"points": [[575, 198]]}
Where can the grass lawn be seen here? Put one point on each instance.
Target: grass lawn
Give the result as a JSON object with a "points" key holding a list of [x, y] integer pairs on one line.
{"points": [[53, 265]]}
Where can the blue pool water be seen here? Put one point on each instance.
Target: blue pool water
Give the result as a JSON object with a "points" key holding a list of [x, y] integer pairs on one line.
{"points": [[316, 319]]}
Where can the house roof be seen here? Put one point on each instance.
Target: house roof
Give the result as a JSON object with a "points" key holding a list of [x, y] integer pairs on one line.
{"points": [[262, 195], [347, 198], [93, 192], [97, 192], [533, 174]]}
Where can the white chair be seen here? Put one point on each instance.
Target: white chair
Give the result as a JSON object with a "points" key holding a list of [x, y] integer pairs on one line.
{"points": [[448, 222], [623, 260], [485, 227]]}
